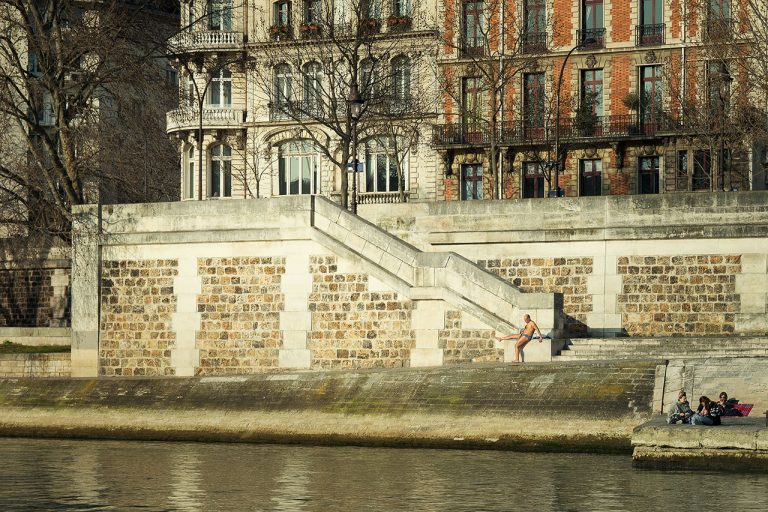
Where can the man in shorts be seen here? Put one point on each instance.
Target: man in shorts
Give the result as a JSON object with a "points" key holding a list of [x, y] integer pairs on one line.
{"points": [[525, 335]]}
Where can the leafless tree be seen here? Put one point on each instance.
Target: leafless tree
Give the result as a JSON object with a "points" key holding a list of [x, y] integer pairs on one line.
{"points": [[306, 73], [83, 93]]}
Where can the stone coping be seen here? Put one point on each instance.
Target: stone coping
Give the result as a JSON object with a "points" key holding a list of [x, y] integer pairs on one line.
{"points": [[739, 444]]}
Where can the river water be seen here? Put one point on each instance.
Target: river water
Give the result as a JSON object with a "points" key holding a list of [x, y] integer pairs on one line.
{"points": [[115, 475]]}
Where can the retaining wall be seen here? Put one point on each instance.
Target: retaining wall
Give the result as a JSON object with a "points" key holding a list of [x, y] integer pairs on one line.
{"points": [[35, 365]]}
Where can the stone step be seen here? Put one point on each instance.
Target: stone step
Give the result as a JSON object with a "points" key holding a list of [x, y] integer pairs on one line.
{"points": [[667, 348], [564, 356], [735, 340]]}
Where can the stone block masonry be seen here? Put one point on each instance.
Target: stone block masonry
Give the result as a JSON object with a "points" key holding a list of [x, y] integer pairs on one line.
{"points": [[353, 325], [687, 295], [137, 306], [464, 340], [240, 304], [13, 366]]}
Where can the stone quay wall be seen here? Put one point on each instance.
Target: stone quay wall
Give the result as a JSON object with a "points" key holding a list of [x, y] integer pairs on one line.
{"points": [[677, 265], [16, 366], [242, 287]]}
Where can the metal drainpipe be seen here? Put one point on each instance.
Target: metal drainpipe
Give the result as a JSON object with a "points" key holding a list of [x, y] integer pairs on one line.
{"points": [[499, 161]]}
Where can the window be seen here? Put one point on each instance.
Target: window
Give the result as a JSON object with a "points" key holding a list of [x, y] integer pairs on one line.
{"points": [[312, 11], [220, 94], [313, 86], [702, 170], [282, 14], [371, 9], [590, 177], [283, 84], [47, 117], [298, 168], [473, 27], [401, 8], [592, 23], [651, 28], [718, 19], [221, 171], [471, 110], [401, 77], [682, 170], [533, 179], [33, 64], [592, 91], [381, 166], [189, 182], [189, 91], [650, 96], [171, 78], [471, 182], [220, 15], [533, 103], [369, 78], [535, 30], [719, 88], [648, 170]]}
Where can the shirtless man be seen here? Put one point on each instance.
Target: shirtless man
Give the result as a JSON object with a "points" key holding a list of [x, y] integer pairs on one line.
{"points": [[526, 335]]}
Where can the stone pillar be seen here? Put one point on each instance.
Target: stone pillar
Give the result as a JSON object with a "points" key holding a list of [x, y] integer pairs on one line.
{"points": [[185, 358], [752, 287], [60, 298], [86, 274], [604, 285], [296, 319], [428, 319]]}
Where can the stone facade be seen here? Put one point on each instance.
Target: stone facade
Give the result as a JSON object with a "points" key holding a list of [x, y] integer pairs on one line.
{"points": [[463, 344], [34, 297], [354, 326], [240, 306], [565, 276], [137, 303], [13, 366], [683, 295]]}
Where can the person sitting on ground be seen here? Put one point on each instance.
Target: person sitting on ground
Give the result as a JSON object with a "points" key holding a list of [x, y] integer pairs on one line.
{"points": [[526, 335], [727, 406], [707, 413], [680, 412]]}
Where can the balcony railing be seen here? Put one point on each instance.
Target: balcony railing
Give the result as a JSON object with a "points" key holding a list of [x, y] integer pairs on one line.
{"points": [[380, 197], [595, 36], [718, 28], [534, 42], [530, 131], [650, 35], [301, 109], [187, 118], [201, 41]]}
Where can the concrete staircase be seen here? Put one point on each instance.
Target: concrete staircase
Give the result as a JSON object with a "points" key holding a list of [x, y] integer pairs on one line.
{"points": [[598, 349]]}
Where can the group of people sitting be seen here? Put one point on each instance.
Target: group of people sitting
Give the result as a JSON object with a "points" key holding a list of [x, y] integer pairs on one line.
{"points": [[707, 413]]}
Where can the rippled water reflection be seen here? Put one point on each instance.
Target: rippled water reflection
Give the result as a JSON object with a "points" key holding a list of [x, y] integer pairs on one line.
{"points": [[91, 475]]}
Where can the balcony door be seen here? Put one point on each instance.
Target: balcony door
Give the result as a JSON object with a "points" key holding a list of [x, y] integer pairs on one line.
{"points": [[592, 22], [651, 22], [533, 105], [472, 110], [651, 97]]}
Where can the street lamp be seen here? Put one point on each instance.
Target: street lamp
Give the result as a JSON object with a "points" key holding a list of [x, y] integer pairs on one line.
{"points": [[724, 88], [355, 102], [584, 43]]}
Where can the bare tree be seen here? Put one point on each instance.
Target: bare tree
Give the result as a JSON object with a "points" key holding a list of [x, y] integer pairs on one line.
{"points": [[305, 76], [82, 89], [485, 49]]}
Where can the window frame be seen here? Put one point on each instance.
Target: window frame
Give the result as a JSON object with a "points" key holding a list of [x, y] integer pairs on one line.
{"points": [[377, 148], [300, 152], [475, 180], [220, 160], [532, 173], [654, 171], [591, 173], [221, 85]]}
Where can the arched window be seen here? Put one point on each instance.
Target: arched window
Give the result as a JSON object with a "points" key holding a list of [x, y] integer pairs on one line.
{"points": [[221, 171], [299, 168], [313, 86], [189, 174], [369, 79], [219, 15], [283, 84], [401, 77], [381, 165], [220, 92]]}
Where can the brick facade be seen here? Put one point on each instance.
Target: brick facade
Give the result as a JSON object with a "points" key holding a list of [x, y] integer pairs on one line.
{"points": [[685, 295], [567, 276], [240, 304], [137, 303], [352, 326]]}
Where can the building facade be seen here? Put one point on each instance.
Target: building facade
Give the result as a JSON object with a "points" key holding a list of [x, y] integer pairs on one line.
{"points": [[464, 100]]}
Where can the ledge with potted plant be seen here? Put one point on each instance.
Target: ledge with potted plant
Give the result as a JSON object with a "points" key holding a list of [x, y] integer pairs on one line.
{"points": [[310, 30], [370, 26], [280, 30], [397, 23]]}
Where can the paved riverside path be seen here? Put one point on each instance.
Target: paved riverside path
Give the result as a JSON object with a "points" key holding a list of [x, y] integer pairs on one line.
{"points": [[739, 444], [580, 406]]}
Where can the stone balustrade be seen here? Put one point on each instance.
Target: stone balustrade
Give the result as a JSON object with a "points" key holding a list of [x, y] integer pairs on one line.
{"points": [[209, 40], [187, 118]]}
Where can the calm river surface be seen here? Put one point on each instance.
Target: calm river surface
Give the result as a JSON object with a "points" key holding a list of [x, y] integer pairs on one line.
{"points": [[112, 475]]}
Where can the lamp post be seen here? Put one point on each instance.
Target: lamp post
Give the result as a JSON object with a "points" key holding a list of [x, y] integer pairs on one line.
{"points": [[586, 42], [355, 102], [725, 80]]}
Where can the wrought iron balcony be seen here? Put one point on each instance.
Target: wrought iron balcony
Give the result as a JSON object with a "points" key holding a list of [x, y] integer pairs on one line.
{"points": [[459, 134], [534, 42], [212, 40], [595, 36], [188, 118], [650, 35]]}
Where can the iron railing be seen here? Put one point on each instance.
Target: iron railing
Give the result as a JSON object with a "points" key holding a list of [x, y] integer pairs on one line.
{"points": [[650, 35], [534, 42], [718, 28], [595, 36]]}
